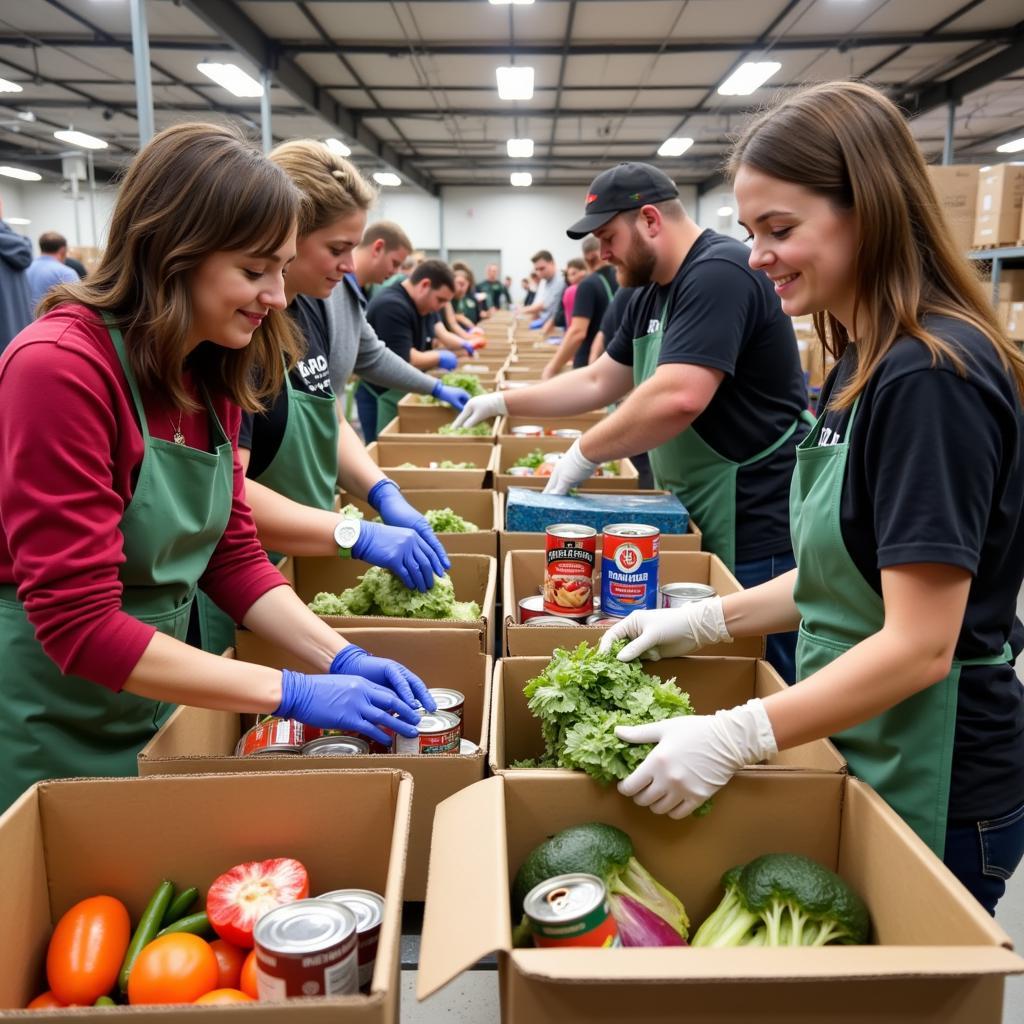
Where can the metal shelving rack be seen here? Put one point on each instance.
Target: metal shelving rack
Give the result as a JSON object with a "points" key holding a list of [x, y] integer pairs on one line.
{"points": [[1004, 254]]}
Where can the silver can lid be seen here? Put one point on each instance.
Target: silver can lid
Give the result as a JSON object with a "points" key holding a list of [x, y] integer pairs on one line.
{"points": [[564, 898], [687, 591], [550, 620], [631, 530], [438, 721], [306, 926], [467, 747], [446, 698], [571, 530], [367, 906], [335, 746]]}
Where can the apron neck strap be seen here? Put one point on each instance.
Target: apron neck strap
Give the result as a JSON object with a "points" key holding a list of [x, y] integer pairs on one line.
{"points": [[133, 386]]}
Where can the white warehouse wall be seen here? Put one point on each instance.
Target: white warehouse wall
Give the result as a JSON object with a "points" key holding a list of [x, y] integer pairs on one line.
{"points": [[419, 215], [51, 209]]}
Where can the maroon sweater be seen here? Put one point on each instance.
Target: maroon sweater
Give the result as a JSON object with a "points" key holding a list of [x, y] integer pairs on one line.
{"points": [[70, 450]]}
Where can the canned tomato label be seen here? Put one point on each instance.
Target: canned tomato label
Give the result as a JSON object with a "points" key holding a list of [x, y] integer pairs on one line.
{"points": [[528, 430], [629, 568], [571, 910], [368, 908], [439, 733], [306, 948], [531, 607], [673, 595], [275, 736], [336, 746], [448, 699], [569, 575]]}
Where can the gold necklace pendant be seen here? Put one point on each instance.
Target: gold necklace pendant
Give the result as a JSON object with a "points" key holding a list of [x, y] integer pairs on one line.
{"points": [[179, 437]]}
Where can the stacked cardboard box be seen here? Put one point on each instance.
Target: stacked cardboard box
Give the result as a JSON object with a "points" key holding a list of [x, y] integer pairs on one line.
{"points": [[956, 187], [998, 214]]}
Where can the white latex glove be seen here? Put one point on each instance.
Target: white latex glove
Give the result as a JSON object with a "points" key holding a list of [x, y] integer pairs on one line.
{"points": [[695, 756], [572, 469], [669, 632], [480, 408]]}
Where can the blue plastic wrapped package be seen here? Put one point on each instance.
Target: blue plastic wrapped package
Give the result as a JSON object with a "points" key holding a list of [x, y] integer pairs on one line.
{"points": [[529, 511]]}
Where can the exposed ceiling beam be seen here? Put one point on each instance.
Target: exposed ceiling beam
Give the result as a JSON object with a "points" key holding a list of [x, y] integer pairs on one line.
{"points": [[566, 42], [567, 113]]}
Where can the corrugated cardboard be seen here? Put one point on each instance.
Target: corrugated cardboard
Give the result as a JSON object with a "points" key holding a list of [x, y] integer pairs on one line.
{"points": [[195, 740], [940, 956], [997, 218], [523, 575], [482, 508], [416, 418], [64, 841], [512, 448], [712, 683], [390, 452], [581, 421], [475, 578], [1011, 316], [956, 186], [1011, 284]]}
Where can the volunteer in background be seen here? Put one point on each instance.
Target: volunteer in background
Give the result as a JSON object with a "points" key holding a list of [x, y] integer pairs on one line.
{"points": [[15, 256], [718, 394], [550, 284], [610, 322], [465, 304], [529, 285], [498, 296], [48, 268], [405, 268], [906, 503], [575, 272], [121, 490], [403, 315]]}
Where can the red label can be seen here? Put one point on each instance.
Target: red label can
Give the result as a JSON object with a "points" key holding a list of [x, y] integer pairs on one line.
{"points": [[571, 910], [440, 732], [629, 568], [275, 736], [569, 570]]}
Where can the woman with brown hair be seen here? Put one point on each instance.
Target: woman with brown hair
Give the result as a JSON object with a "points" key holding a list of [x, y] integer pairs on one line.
{"points": [[121, 489], [905, 507]]}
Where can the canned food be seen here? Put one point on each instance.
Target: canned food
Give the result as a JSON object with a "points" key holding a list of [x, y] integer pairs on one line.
{"points": [[448, 700], [275, 736], [336, 746], [570, 432], [552, 620], [306, 948], [674, 595], [368, 908], [376, 747], [600, 619], [629, 568], [439, 733], [571, 910], [520, 471], [550, 458], [569, 576], [528, 430], [467, 747], [531, 607]]}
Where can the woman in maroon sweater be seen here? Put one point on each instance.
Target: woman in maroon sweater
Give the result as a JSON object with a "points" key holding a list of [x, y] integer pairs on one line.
{"points": [[121, 489]]}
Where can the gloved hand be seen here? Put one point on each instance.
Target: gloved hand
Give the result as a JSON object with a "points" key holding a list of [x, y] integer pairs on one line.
{"points": [[570, 471], [470, 349], [695, 756], [447, 360], [345, 702], [400, 549], [387, 499], [669, 632], [455, 397], [354, 661], [480, 408], [536, 325]]}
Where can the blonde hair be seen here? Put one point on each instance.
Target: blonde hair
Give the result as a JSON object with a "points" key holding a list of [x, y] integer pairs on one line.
{"points": [[330, 187], [847, 142]]}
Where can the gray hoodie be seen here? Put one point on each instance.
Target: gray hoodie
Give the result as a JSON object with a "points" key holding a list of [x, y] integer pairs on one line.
{"points": [[15, 310]]}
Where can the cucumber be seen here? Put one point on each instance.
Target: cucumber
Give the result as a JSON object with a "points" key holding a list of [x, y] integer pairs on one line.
{"points": [[180, 905], [145, 933], [194, 924], [104, 1001]]}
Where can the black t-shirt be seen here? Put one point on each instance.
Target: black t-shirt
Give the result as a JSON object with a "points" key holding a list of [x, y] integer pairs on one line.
{"points": [[495, 292], [398, 323], [935, 473], [262, 432], [593, 297], [616, 313], [726, 316]]}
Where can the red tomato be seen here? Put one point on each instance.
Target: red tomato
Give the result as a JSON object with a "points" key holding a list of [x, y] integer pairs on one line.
{"points": [[241, 896], [248, 981], [544, 469], [175, 968], [87, 949], [229, 963], [220, 996], [46, 1001]]}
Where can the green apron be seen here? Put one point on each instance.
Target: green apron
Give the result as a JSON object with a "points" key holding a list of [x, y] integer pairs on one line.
{"points": [[703, 480], [387, 403], [305, 469], [55, 726], [905, 753]]}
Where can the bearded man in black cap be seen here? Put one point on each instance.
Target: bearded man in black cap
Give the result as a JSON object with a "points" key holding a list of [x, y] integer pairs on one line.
{"points": [[718, 395]]}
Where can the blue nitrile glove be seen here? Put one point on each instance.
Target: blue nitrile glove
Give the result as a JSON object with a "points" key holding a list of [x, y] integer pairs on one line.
{"points": [[400, 549], [470, 349], [387, 499], [455, 397], [345, 702], [537, 324], [354, 661], [447, 360]]}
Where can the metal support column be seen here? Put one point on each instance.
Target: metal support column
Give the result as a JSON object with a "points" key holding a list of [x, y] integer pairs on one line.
{"points": [[947, 149], [143, 83], [268, 136], [74, 206], [92, 198]]}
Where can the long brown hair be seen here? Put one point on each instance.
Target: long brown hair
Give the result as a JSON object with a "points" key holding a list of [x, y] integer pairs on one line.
{"points": [[195, 189], [847, 142]]}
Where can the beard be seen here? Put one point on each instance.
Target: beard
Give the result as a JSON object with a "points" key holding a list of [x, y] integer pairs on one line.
{"points": [[636, 268]]}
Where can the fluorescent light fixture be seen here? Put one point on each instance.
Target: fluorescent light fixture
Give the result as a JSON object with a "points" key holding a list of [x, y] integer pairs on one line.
{"points": [[80, 139], [509, 3], [232, 78], [521, 179], [19, 221], [515, 83], [26, 115], [520, 147], [748, 77], [725, 211], [1011, 147], [387, 178], [6, 86], [676, 146], [20, 173], [337, 146]]}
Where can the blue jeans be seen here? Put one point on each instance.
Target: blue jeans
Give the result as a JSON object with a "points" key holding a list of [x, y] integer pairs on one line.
{"points": [[366, 405], [781, 647], [984, 854]]}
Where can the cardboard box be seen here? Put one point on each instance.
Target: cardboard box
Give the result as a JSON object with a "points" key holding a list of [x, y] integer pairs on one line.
{"points": [[391, 452], [416, 418], [512, 448], [956, 187], [531, 511], [689, 541], [581, 421], [1011, 316], [712, 683], [394, 432], [523, 575], [64, 841], [997, 218], [482, 508], [939, 956], [1011, 284]]}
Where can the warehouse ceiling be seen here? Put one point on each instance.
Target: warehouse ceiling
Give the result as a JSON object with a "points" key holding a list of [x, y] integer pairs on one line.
{"points": [[410, 86]]}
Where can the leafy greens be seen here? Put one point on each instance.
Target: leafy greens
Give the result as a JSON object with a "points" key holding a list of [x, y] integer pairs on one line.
{"points": [[380, 592]]}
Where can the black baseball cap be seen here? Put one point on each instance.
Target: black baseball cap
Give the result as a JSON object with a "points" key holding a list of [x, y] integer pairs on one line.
{"points": [[623, 187]]}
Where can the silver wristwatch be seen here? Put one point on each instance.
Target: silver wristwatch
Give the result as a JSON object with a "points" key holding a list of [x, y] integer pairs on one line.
{"points": [[346, 533]]}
